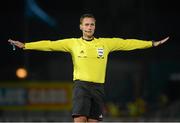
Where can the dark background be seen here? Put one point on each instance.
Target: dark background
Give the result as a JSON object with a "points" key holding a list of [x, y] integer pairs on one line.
{"points": [[141, 73]]}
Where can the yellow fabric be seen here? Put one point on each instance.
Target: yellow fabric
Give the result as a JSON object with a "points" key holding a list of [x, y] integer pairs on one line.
{"points": [[89, 57]]}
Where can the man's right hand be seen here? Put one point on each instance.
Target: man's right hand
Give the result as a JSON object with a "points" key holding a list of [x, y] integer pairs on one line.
{"points": [[16, 43]]}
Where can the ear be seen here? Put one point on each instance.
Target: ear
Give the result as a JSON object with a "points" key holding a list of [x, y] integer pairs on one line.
{"points": [[80, 26]]}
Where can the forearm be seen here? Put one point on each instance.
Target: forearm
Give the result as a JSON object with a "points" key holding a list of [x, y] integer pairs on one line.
{"points": [[39, 45], [129, 44], [132, 44], [47, 45]]}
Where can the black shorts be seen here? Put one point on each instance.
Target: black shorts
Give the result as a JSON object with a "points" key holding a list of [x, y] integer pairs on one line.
{"points": [[88, 100]]}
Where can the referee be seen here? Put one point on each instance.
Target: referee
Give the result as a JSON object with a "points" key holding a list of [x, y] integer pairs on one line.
{"points": [[89, 56]]}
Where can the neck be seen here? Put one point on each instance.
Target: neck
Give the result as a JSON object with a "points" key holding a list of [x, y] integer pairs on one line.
{"points": [[88, 38]]}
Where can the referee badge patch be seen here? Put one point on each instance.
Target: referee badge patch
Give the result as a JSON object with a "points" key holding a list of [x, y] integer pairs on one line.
{"points": [[100, 52]]}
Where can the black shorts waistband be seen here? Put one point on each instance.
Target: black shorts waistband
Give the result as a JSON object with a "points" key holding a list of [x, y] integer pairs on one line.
{"points": [[88, 82]]}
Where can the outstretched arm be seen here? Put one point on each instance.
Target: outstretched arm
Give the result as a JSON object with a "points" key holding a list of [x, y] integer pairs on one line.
{"points": [[157, 43], [16, 43], [63, 45]]}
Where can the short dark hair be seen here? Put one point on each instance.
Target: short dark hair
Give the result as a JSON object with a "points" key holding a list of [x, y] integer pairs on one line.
{"points": [[86, 16]]}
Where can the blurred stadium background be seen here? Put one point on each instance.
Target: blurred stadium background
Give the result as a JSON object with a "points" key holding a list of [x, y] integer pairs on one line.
{"points": [[141, 85]]}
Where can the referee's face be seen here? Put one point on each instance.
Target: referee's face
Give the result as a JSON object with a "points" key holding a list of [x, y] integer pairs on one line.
{"points": [[88, 27]]}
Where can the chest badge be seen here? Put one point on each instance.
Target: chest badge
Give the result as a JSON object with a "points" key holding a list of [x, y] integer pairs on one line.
{"points": [[100, 52]]}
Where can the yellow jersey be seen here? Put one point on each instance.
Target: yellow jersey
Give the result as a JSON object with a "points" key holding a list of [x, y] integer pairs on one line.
{"points": [[89, 57]]}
